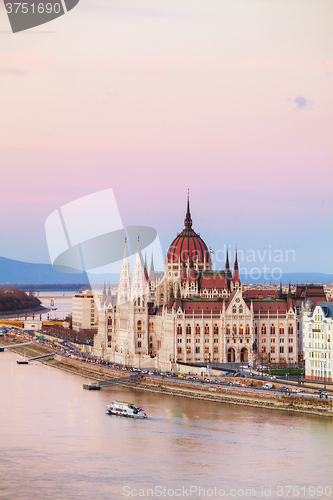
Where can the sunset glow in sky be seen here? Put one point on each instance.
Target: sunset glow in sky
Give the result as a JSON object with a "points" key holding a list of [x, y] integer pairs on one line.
{"points": [[232, 99]]}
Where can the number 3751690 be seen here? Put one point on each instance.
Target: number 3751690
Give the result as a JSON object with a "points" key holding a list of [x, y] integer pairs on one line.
{"points": [[32, 8], [303, 491]]}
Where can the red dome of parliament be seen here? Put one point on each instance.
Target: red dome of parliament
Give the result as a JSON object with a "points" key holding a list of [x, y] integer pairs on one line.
{"points": [[188, 244]]}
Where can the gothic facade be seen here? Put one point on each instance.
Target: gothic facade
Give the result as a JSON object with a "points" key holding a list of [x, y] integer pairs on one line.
{"points": [[194, 314]]}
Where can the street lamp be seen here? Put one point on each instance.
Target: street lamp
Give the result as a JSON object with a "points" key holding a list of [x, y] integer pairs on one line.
{"points": [[324, 377]]}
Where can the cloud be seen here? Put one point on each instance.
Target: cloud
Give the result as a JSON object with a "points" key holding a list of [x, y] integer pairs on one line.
{"points": [[302, 102], [12, 72]]}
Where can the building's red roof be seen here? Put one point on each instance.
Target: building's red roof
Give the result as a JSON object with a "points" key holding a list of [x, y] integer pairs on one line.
{"points": [[197, 307], [270, 306], [211, 281], [188, 245]]}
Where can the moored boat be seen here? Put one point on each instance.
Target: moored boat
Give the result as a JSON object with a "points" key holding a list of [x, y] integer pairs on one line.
{"points": [[22, 361], [125, 410]]}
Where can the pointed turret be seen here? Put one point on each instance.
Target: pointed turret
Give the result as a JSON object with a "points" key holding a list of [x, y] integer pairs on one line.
{"points": [[280, 291], [124, 288], [145, 269], [236, 271], [152, 277], [227, 266], [109, 290], [172, 297], [178, 293], [228, 274], [139, 280], [289, 299], [188, 218]]}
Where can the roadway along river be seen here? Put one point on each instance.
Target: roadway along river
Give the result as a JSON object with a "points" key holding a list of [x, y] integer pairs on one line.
{"points": [[57, 442]]}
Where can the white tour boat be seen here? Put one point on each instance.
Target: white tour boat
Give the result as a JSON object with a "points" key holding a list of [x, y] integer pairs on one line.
{"points": [[125, 410]]}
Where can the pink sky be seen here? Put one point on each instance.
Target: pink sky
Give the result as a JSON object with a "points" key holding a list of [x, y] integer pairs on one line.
{"points": [[232, 99]]}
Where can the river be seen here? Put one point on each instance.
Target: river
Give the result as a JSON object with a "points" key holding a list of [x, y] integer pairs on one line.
{"points": [[57, 442]]}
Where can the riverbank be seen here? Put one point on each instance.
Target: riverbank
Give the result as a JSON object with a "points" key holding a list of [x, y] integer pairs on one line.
{"points": [[22, 313], [174, 387]]}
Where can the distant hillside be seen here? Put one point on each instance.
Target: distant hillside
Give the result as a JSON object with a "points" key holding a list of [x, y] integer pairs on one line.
{"points": [[16, 272], [292, 278], [22, 273]]}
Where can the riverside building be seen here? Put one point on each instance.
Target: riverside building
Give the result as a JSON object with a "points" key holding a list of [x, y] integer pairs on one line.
{"points": [[84, 311], [317, 340], [197, 315]]}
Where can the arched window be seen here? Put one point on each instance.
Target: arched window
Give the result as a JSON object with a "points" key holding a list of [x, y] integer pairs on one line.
{"points": [[197, 330], [241, 330], [263, 329], [247, 330], [216, 329], [109, 321], [234, 310], [231, 355], [256, 330], [273, 349], [179, 329], [139, 325], [281, 329], [234, 329], [290, 330], [228, 329], [206, 330], [188, 330], [240, 310], [272, 329]]}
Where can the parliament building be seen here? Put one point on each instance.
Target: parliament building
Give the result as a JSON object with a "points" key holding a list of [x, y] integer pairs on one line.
{"points": [[197, 315]]}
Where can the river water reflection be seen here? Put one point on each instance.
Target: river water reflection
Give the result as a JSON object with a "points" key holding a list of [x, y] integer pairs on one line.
{"points": [[57, 442]]}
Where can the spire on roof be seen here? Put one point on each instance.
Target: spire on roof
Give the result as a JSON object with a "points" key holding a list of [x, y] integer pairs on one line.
{"points": [[109, 290], [152, 263], [145, 264], [236, 271], [104, 289], [188, 218], [172, 295], [280, 291], [125, 249], [289, 291], [227, 267], [178, 293]]}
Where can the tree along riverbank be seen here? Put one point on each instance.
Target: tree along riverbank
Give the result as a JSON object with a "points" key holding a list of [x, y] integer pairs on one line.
{"points": [[198, 390]]}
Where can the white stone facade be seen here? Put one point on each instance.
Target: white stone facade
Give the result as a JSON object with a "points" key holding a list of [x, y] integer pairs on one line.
{"points": [[317, 341]]}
